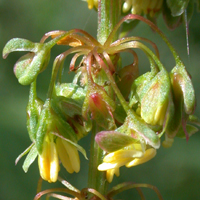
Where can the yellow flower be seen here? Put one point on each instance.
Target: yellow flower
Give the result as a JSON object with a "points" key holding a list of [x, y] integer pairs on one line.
{"points": [[48, 161], [68, 155], [130, 156]]}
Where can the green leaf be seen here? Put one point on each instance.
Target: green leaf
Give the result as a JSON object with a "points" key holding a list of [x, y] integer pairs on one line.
{"points": [[30, 158], [177, 7], [24, 153], [18, 44], [111, 141]]}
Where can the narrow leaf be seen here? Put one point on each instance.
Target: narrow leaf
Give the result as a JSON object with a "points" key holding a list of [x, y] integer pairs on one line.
{"points": [[24, 153], [30, 158]]}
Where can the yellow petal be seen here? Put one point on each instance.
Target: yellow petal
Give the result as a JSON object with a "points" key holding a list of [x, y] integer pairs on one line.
{"points": [[73, 155], [110, 174], [121, 154], [148, 155], [117, 173], [43, 162], [54, 163], [63, 155], [48, 161], [111, 165]]}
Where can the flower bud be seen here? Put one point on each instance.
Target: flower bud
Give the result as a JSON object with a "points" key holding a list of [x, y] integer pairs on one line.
{"points": [[100, 105], [183, 88], [154, 99]]}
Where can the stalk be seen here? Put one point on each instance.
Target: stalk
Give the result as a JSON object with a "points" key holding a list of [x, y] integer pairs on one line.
{"points": [[109, 12]]}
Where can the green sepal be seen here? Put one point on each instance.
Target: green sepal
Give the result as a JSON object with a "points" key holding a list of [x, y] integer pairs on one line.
{"points": [[33, 111], [154, 98], [44, 122], [68, 99], [190, 130], [23, 153], [183, 88], [100, 106], [141, 131], [49, 121], [79, 148], [19, 44], [30, 158], [111, 141], [175, 118], [30, 65], [177, 7], [64, 128], [138, 86]]}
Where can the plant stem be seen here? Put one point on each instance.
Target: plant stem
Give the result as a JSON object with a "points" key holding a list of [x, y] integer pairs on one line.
{"points": [[109, 12], [97, 179]]}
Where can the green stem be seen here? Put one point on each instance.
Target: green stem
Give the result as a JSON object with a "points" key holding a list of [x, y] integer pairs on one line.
{"points": [[109, 12], [97, 179]]}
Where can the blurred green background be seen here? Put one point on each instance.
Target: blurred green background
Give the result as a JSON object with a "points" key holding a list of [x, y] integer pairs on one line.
{"points": [[175, 171]]}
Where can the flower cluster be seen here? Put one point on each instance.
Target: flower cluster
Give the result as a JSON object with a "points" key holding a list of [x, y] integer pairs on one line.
{"points": [[173, 12], [132, 110]]}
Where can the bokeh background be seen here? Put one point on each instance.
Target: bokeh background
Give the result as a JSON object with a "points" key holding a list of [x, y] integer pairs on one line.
{"points": [[175, 171]]}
